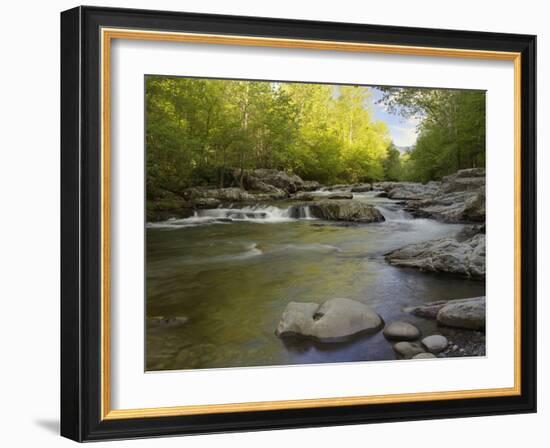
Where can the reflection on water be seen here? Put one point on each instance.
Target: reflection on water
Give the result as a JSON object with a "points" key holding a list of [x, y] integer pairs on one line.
{"points": [[232, 277]]}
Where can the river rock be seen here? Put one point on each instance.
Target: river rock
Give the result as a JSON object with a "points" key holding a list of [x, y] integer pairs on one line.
{"points": [[340, 196], [460, 198], [333, 321], [230, 194], [413, 190], [406, 350], [168, 205], [338, 187], [469, 314], [435, 343], [448, 255], [345, 210], [205, 203], [424, 356], [310, 185], [361, 188], [303, 196], [401, 331], [429, 310], [461, 313], [288, 182], [262, 191]]}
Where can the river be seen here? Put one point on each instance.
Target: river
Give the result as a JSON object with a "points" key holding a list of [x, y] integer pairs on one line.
{"points": [[231, 271]]}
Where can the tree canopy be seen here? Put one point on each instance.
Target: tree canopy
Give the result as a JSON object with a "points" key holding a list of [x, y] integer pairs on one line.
{"points": [[452, 129], [198, 129]]}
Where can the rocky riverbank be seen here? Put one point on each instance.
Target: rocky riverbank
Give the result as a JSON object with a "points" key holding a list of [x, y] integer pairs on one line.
{"points": [[457, 198], [447, 255], [462, 323]]}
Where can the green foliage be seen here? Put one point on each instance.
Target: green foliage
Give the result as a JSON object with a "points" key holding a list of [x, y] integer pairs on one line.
{"points": [[452, 130], [199, 129], [196, 129], [392, 164]]}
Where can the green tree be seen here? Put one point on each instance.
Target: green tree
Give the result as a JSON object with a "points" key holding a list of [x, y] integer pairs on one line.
{"points": [[452, 129], [392, 164]]}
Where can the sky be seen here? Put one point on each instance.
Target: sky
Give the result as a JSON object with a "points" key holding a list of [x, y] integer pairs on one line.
{"points": [[403, 131]]}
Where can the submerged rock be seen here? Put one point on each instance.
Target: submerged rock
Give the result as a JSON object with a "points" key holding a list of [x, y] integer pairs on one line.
{"points": [[333, 321], [448, 255], [401, 331], [345, 210], [406, 350], [435, 343]]}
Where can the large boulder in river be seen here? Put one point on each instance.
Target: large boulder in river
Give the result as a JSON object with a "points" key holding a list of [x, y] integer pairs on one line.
{"points": [[448, 255], [256, 179], [345, 210], [334, 321], [310, 185], [257, 186]]}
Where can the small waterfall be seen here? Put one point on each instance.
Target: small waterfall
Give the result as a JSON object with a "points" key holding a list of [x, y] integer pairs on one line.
{"points": [[256, 214], [300, 212], [394, 213], [263, 213]]}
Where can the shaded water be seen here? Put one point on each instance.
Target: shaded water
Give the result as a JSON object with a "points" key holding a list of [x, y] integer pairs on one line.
{"points": [[232, 271]]}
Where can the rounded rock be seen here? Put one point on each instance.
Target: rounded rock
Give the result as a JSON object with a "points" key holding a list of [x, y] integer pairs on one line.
{"points": [[401, 331], [335, 320], [435, 343], [406, 350]]}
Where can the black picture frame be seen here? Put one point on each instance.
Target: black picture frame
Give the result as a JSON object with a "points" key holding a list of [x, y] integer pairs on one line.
{"points": [[81, 224]]}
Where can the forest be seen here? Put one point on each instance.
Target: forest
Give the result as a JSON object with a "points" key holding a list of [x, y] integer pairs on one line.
{"points": [[198, 129]]}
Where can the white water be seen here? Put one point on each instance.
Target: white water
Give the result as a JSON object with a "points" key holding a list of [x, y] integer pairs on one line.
{"points": [[263, 214], [394, 213], [270, 214]]}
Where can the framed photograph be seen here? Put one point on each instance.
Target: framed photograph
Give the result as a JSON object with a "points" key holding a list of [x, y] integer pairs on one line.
{"points": [[273, 223]]}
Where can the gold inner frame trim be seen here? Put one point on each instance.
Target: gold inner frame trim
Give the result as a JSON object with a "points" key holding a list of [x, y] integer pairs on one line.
{"points": [[107, 35]]}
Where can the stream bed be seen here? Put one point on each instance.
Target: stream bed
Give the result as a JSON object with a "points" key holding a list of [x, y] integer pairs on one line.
{"points": [[231, 272]]}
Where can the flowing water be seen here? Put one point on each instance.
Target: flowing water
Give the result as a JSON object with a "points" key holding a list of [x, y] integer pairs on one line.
{"points": [[231, 271]]}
